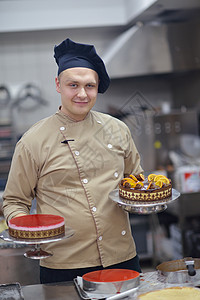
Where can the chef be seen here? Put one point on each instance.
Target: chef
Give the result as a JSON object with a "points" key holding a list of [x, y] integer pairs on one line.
{"points": [[70, 162]]}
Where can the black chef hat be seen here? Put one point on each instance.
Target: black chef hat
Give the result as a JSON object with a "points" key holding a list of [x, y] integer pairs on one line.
{"points": [[70, 55]]}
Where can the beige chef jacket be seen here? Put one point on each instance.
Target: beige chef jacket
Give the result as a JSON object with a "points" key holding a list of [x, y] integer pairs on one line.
{"points": [[73, 179]]}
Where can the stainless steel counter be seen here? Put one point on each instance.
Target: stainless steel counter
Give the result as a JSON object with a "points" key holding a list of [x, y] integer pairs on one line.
{"points": [[17, 268], [66, 290], [59, 291], [185, 208]]}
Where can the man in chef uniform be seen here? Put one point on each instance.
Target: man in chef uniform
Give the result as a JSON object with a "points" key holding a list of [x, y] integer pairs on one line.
{"points": [[70, 162]]}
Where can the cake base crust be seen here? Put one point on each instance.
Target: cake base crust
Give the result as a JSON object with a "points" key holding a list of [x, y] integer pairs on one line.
{"points": [[38, 234], [36, 226], [173, 293], [130, 195]]}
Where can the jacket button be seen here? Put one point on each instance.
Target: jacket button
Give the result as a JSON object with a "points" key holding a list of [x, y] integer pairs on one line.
{"points": [[123, 232], [85, 180]]}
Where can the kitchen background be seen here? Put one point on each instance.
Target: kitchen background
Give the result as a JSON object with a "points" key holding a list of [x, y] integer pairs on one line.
{"points": [[152, 53]]}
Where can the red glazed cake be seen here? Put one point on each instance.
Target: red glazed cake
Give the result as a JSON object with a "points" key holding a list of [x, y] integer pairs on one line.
{"points": [[37, 226], [110, 275], [138, 188], [111, 281]]}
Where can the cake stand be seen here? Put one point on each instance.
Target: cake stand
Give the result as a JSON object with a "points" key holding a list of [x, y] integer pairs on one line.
{"points": [[143, 207], [36, 252]]}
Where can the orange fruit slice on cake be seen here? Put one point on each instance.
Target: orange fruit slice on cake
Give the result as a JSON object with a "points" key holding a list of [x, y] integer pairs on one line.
{"points": [[130, 181], [141, 177], [139, 183], [133, 177], [149, 186], [158, 177], [159, 183], [165, 180], [151, 177]]}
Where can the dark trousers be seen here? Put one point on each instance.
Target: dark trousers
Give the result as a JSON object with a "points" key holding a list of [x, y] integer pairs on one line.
{"points": [[58, 275]]}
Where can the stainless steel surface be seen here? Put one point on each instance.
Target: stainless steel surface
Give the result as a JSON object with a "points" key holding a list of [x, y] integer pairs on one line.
{"points": [[140, 207], [58, 291], [81, 292], [67, 290], [128, 293], [6, 237], [151, 128], [11, 291], [169, 129], [165, 10], [16, 268], [190, 266], [167, 42], [150, 281], [157, 50], [111, 287], [37, 252], [176, 271], [85, 295], [185, 209], [141, 126]]}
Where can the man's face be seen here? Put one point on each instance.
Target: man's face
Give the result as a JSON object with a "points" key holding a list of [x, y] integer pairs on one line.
{"points": [[78, 88]]}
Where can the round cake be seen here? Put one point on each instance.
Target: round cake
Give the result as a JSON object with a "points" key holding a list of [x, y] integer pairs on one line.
{"points": [[111, 281], [37, 226], [173, 293], [138, 188]]}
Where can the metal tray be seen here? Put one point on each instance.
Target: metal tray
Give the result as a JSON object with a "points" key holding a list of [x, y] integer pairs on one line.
{"points": [[90, 296], [11, 291], [81, 292], [176, 271], [6, 237], [143, 207], [36, 252]]}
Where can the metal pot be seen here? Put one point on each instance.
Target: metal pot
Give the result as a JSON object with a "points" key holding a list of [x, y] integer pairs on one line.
{"points": [[110, 281], [186, 270]]}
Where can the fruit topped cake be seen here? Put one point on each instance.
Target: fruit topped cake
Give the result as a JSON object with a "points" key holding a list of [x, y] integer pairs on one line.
{"points": [[139, 188], [36, 226]]}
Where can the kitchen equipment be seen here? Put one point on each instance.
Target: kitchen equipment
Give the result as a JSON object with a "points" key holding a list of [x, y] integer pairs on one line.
{"points": [[110, 281], [142, 207], [36, 252], [148, 282], [156, 135], [190, 145], [11, 291], [4, 96], [187, 178], [29, 98], [5, 101], [186, 270]]}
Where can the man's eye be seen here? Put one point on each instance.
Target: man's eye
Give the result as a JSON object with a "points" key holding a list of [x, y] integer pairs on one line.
{"points": [[73, 85]]}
